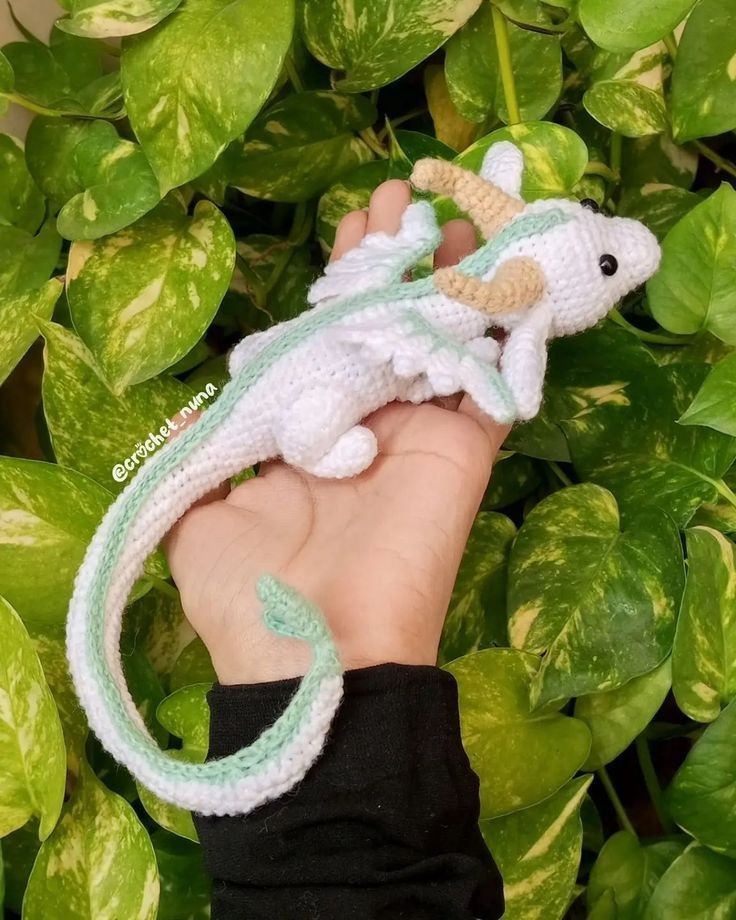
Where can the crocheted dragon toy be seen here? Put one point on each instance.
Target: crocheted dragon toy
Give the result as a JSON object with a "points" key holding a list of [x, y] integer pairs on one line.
{"points": [[300, 390]]}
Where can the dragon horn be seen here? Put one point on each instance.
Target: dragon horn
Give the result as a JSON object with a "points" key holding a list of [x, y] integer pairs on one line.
{"points": [[488, 206]]}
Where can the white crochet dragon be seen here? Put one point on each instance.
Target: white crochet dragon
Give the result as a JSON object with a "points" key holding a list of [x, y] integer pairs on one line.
{"points": [[301, 390]]}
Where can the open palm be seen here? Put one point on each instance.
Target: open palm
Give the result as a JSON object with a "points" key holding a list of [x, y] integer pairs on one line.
{"points": [[377, 553]]}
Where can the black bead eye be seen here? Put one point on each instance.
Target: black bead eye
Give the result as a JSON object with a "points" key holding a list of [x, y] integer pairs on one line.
{"points": [[608, 264], [591, 204]]}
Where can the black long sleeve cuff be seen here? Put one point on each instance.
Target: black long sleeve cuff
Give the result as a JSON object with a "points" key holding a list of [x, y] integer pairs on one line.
{"points": [[383, 827]]}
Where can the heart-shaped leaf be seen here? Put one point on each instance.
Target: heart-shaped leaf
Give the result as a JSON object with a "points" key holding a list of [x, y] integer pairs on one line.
{"points": [[194, 82], [596, 598], [375, 46], [32, 754], [50, 146], [693, 289], [21, 202], [715, 402], [700, 883], [630, 25], [627, 107], [520, 755], [110, 18], [538, 853], [704, 660], [296, 148], [142, 298]]}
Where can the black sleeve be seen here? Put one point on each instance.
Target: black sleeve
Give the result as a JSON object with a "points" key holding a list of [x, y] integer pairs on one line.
{"points": [[383, 827]]}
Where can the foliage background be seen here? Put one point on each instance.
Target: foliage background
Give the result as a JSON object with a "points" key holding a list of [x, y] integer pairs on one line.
{"points": [[180, 190]]}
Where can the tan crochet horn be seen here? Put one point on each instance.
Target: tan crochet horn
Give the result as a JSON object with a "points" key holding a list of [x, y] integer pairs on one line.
{"points": [[488, 206]]}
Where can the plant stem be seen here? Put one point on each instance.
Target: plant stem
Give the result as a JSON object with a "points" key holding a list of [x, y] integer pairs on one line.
{"points": [[596, 168], [653, 337], [32, 106], [616, 150], [716, 158], [725, 492], [623, 818], [371, 140], [163, 587], [501, 29], [652, 783], [559, 473], [395, 122], [293, 73], [670, 43]]}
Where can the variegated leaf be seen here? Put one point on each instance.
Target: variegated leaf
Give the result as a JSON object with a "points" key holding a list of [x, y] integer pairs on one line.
{"points": [[93, 430], [142, 298], [473, 74], [18, 326], [627, 871], [657, 159], [616, 717], [109, 18], [630, 25], [520, 755], [658, 206], [373, 43], [704, 659], [97, 865], [538, 853], [302, 144], [194, 82], [477, 614], [702, 796], [704, 76], [119, 185], [47, 518], [627, 107], [700, 883], [554, 157], [193, 666], [26, 261], [185, 714], [21, 202], [32, 754], [348, 194], [50, 145], [50, 645], [596, 598], [161, 630], [693, 289], [635, 447]]}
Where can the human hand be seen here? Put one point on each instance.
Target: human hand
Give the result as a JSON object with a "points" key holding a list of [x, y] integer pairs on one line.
{"points": [[378, 553]]}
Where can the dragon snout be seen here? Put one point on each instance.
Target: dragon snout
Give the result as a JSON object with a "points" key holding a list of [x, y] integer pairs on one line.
{"points": [[642, 249]]}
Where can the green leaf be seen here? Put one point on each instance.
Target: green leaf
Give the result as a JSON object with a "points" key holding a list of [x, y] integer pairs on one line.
{"points": [[720, 516], [702, 796], [186, 888], [32, 751], [7, 82], [50, 645], [119, 185], [699, 883], [514, 477], [142, 298], [374, 43], [628, 871], [161, 630], [634, 446], [109, 18], [185, 714], [47, 518], [348, 194], [21, 202], [715, 402], [26, 261], [19, 852], [616, 717], [193, 666], [657, 159], [99, 861], [693, 289], [658, 206], [91, 428], [629, 24], [627, 107], [704, 77], [477, 615], [704, 660], [450, 127], [554, 157], [520, 755], [474, 78], [296, 148], [596, 598], [18, 327], [538, 853], [50, 146], [194, 82], [38, 75]]}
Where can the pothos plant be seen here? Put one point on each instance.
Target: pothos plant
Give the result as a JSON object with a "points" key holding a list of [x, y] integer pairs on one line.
{"points": [[179, 186]]}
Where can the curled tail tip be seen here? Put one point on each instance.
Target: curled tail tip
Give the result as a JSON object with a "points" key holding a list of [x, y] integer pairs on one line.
{"points": [[287, 612]]}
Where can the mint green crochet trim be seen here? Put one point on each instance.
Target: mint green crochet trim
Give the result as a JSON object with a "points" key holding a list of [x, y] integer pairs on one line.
{"points": [[282, 605]]}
